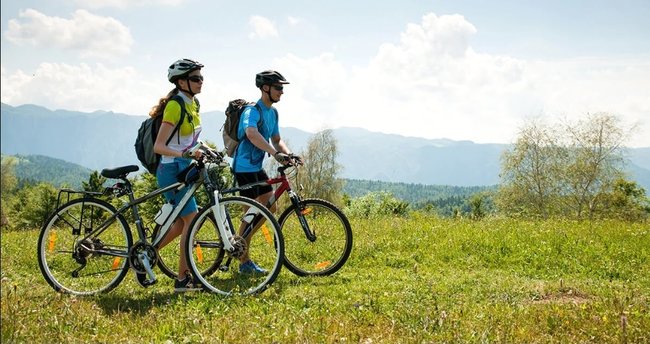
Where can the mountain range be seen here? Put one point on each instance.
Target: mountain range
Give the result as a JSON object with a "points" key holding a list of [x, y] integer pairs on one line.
{"points": [[105, 139]]}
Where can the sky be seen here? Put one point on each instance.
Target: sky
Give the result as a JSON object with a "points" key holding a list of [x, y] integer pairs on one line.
{"points": [[460, 70]]}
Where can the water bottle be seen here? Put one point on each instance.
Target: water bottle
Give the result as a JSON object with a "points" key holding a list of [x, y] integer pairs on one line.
{"points": [[163, 213]]}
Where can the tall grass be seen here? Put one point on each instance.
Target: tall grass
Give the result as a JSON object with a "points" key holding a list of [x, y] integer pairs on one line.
{"points": [[408, 280]]}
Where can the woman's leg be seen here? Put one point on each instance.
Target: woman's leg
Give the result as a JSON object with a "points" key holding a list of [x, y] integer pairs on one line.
{"points": [[183, 267]]}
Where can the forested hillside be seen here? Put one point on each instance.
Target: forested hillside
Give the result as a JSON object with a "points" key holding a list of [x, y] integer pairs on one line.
{"points": [[410, 192], [38, 168]]}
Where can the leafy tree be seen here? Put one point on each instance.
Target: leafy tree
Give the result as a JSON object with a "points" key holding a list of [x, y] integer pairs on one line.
{"points": [[31, 206], [8, 184], [477, 203], [95, 183], [628, 202]]}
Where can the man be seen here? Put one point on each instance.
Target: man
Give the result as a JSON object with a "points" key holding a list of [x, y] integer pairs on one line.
{"points": [[260, 135]]}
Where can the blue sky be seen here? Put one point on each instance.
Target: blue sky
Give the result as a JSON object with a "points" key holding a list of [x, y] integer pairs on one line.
{"points": [[463, 70]]}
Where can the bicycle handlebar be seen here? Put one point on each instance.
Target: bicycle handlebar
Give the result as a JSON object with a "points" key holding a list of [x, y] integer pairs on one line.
{"points": [[294, 161]]}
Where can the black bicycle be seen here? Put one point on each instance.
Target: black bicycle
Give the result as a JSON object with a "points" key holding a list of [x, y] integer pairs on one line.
{"points": [[86, 246]]}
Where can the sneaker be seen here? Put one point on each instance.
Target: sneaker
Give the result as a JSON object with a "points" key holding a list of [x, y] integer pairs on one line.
{"points": [[251, 268], [186, 284]]}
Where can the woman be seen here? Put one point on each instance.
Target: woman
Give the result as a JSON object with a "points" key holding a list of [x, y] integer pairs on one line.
{"points": [[186, 76]]}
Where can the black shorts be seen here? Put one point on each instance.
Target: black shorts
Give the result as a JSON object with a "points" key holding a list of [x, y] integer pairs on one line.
{"points": [[252, 177]]}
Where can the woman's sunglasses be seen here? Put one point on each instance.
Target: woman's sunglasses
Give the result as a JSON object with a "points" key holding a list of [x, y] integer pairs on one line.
{"points": [[195, 78]]}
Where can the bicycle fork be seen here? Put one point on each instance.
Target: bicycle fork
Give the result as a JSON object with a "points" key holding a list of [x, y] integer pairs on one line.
{"points": [[300, 213]]}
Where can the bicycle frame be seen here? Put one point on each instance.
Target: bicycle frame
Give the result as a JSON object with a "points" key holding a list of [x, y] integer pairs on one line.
{"points": [[284, 186], [223, 221]]}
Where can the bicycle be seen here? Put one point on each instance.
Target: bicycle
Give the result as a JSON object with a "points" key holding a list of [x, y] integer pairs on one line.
{"points": [[317, 234], [86, 246]]}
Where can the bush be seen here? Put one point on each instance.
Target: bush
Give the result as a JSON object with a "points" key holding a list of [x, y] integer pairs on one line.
{"points": [[377, 203]]}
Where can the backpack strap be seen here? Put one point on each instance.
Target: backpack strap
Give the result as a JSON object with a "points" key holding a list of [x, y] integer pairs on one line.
{"points": [[261, 122], [181, 102]]}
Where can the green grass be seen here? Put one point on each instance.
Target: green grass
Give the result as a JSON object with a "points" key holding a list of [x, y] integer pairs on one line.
{"points": [[409, 280]]}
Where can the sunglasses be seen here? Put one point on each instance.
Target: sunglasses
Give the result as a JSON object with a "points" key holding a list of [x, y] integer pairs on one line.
{"points": [[195, 78], [278, 87]]}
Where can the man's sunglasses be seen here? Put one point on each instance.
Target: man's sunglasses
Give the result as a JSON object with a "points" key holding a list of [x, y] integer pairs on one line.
{"points": [[195, 78], [278, 87]]}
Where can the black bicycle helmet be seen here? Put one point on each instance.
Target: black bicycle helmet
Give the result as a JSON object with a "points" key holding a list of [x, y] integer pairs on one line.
{"points": [[181, 68], [269, 77]]}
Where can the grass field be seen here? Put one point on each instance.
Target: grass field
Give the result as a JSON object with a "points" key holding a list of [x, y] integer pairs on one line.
{"points": [[409, 280]]}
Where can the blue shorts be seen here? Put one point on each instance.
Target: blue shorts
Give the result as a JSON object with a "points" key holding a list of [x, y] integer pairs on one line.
{"points": [[166, 175]]}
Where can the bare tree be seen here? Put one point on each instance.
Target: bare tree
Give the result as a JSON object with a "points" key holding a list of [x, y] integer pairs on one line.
{"points": [[319, 176], [595, 163], [530, 172], [564, 170]]}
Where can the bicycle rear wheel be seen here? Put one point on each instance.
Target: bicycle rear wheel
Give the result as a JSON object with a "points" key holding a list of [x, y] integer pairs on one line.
{"points": [[330, 247], [220, 273], [74, 265]]}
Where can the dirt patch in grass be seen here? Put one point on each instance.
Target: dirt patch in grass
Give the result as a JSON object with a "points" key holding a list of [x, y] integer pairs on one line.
{"points": [[563, 297]]}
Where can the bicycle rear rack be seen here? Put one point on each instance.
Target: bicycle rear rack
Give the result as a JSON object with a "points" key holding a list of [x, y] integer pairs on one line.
{"points": [[69, 192]]}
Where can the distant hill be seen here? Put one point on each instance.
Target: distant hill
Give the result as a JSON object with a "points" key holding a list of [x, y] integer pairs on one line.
{"points": [[105, 139], [39, 168]]}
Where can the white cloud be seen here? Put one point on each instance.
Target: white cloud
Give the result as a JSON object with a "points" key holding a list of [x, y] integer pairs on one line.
{"points": [[124, 4], [433, 84], [92, 35], [82, 88], [316, 85], [262, 28], [293, 21]]}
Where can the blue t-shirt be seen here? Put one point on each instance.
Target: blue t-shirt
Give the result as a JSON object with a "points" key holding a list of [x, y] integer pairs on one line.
{"points": [[249, 158]]}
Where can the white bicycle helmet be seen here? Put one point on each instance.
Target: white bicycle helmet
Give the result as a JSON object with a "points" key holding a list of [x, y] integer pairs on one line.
{"points": [[181, 68]]}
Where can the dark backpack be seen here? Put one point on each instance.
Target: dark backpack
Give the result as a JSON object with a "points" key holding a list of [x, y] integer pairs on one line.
{"points": [[231, 125], [147, 137]]}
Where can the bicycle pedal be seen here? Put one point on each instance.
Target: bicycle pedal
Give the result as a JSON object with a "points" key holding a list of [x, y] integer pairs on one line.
{"points": [[149, 283]]}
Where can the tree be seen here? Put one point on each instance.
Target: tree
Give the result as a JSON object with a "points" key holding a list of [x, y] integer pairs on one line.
{"points": [[628, 202], [31, 205], [8, 183], [320, 173], [530, 172], [95, 183], [568, 169], [595, 161]]}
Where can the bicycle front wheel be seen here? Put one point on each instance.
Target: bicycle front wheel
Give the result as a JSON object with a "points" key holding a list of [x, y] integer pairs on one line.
{"points": [[77, 258], [330, 245], [219, 270], [168, 256]]}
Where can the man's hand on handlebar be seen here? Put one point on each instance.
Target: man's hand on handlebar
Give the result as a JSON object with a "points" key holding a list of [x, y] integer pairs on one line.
{"points": [[282, 158], [296, 159]]}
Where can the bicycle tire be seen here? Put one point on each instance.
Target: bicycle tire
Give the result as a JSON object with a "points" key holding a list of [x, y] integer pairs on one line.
{"points": [[266, 249], [66, 265], [332, 245], [171, 252]]}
